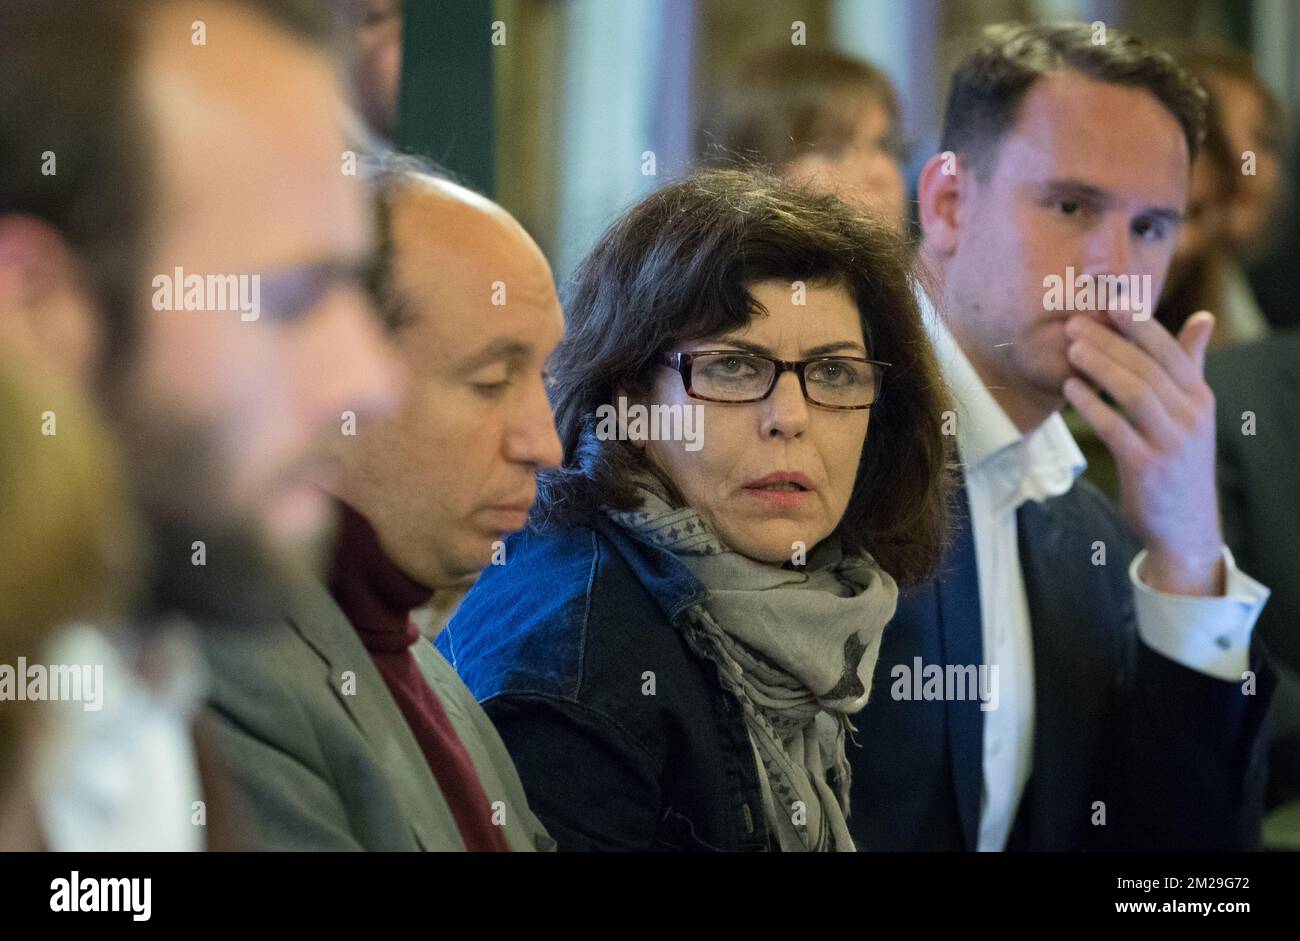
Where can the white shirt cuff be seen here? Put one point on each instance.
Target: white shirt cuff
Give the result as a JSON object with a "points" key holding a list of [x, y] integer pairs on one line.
{"points": [[1208, 634]]}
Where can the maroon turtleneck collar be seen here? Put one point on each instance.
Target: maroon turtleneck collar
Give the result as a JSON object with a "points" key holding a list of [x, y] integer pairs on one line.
{"points": [[373, 592], [377, 597]]}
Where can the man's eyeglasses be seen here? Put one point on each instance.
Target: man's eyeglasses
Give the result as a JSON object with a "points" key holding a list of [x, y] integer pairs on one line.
{"points": [[729, 376]]}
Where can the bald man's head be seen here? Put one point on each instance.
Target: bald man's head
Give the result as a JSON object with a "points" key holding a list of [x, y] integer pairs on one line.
{"points": [[426, 219], [471, 303]]}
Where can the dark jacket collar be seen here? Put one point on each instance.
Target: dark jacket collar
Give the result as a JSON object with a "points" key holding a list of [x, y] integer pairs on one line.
{"points": [[664, 576]]}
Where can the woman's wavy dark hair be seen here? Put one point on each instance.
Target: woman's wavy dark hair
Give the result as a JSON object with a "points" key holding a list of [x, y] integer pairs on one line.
{"points": [[676, 267]]}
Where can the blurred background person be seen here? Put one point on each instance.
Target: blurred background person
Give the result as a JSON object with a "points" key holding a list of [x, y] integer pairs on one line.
{"points": [[817, 117], [1276, 277], [1236, 219], [373, 37], [222, 419], [1195, 271], [68, 551], [1257, 387], [1248, 194], [1255, 127]]}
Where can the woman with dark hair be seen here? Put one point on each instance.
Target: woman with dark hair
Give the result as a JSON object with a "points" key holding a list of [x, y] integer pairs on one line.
{"points": [[673, 649]]}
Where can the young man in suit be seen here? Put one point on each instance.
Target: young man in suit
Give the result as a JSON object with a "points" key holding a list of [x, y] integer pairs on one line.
{"points": [[1128, 704], [345, 728]]}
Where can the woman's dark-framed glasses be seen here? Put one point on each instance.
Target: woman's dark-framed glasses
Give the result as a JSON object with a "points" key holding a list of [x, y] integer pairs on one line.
{"points": [[847, 382]]}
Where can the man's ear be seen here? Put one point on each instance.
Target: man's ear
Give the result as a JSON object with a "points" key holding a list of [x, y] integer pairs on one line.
{"points": [[939, 191], [46, 316]]}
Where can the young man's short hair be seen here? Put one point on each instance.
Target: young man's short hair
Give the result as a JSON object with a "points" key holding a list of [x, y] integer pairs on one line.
{"points": [[989, 84]]}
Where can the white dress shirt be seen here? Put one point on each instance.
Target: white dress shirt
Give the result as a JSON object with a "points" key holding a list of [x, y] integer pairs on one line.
{"points": [[1003, 469], [123, 776]]}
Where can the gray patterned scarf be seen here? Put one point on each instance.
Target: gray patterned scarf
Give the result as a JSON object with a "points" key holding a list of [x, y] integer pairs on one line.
{"points": [[796, 646]]}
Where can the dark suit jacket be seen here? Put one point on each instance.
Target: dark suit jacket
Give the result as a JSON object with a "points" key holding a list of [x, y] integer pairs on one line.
{"points": [[1260, 496], [1172, 754]]}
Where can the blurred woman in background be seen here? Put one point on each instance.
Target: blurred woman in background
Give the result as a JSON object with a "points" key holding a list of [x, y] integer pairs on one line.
{"points": [[1235, 201], [818, 118], [1195, 279]]}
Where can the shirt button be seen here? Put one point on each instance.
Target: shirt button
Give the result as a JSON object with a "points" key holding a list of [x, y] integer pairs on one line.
{"points": [[1224, 641]]}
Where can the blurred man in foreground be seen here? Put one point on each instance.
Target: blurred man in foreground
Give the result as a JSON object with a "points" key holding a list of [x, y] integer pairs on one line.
{"points": [[176, 237]]}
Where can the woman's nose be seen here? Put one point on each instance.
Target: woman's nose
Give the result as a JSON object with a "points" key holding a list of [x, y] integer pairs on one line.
{"points": [[785, 411]]}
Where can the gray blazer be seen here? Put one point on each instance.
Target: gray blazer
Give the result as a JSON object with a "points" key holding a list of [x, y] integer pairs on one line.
{"points": [[320, 754]]}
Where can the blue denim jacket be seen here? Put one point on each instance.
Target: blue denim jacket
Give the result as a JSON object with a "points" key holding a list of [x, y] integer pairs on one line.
{"points": [[624, 738]]}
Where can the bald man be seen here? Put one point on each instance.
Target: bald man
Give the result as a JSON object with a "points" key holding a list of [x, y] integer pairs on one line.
{"points": [[346, 730]]}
